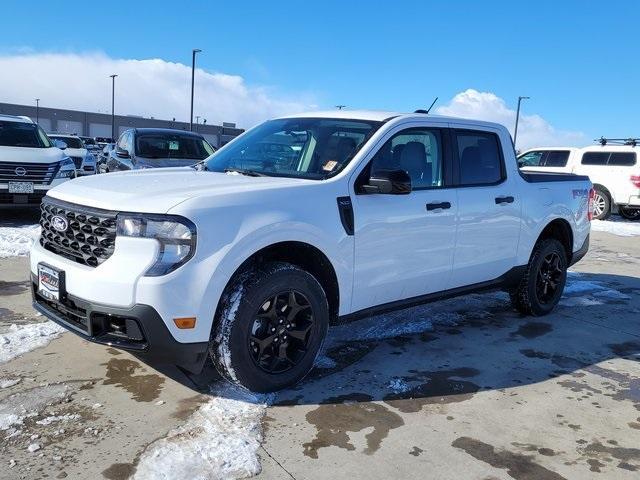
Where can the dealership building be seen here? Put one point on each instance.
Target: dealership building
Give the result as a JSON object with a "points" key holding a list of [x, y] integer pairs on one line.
{"points": [[91, 124]]}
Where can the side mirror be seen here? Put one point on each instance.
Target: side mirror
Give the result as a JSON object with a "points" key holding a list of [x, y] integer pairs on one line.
{"points": [[60, 144], [394, 182], [122, 153]]}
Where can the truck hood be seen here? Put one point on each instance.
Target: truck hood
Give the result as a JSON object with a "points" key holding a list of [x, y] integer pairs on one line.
{"points": [[30, 155], [158, 190]]}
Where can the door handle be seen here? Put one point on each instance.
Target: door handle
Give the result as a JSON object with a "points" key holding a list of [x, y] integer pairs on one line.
{"points": [[436, 206], [501, 200]]}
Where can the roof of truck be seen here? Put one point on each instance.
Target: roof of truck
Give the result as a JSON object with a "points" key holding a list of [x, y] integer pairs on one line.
{"points": [[381, 116]]}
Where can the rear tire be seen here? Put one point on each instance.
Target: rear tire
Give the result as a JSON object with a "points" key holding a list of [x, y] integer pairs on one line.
{"points": [[601, 204], [544, 279], [270, 326], [630, 213]]}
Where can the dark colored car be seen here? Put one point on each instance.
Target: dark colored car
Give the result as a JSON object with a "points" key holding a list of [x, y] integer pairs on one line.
{"points": [[139, 148]]}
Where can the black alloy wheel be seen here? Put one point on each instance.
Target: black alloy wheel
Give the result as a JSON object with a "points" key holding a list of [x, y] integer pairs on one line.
{"points": [[280, 336], [549, 276]]}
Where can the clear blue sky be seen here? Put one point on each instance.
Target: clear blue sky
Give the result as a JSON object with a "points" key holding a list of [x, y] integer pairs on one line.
{"points": [[578, 60]]}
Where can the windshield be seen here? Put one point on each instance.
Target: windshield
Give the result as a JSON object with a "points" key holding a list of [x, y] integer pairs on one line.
{"points": [[171, 145], [72, 142], [20, 134], [313, 148], [88, 141]]}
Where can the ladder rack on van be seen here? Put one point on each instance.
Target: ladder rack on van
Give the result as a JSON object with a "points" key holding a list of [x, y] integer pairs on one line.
{"points": [[633, 142]]}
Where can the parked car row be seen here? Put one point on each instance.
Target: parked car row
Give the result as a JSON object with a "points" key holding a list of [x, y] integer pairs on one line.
{"points": [[32, 162], [613, 169]]}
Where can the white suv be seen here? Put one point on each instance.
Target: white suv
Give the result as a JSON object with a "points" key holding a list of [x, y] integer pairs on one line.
{"points": [[30, 163], [77, 150], [613, 169]]}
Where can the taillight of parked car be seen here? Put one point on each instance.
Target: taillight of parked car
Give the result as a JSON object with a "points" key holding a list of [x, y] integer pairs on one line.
{"points": [[592, 195], [635, 179]]}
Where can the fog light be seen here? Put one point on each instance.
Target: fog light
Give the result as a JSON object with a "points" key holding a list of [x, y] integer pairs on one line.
{"points": [[184, 323]]}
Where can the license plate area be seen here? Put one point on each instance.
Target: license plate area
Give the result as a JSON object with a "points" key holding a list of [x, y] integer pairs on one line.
{"points": [[50, 282], [20, 187]]}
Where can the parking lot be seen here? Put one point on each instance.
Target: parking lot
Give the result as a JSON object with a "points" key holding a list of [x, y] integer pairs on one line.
{"points": [[463, 388]]}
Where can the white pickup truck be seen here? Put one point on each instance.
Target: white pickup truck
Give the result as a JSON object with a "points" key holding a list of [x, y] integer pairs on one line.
{"points": [[250, 255]]}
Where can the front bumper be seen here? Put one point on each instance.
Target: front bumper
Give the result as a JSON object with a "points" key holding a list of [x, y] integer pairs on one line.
{"points": [[138, 329], [21, 200]]}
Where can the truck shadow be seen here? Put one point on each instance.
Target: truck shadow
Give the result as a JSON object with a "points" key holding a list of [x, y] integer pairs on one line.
{"points": [[446, 352]]}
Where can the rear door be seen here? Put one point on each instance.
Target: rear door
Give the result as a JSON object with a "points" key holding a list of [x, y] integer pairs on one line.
{"points": [[404, 243], [489, 206]]}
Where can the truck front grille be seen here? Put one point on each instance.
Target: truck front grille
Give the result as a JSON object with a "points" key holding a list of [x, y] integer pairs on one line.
{"points": [[89, 238], [38, 173]]}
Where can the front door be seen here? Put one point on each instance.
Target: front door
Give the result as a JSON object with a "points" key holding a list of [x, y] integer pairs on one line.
{"points": [[404, 243]]}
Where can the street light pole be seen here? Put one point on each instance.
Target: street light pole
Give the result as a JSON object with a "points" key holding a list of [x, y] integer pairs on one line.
{"points": [[515, 133], [113, 103], [193, 75], [37, 110]]}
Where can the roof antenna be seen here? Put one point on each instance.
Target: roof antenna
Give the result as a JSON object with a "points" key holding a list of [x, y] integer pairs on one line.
{"points": [[426, 112], [340, 107], [432, 104]]}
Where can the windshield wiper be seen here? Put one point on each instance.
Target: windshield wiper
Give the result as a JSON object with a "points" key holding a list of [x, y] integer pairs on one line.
{"points": [[244, 171]]}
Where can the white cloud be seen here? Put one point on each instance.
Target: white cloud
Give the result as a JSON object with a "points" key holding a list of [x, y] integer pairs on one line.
{"points": [[152, 88], [533, 130]]}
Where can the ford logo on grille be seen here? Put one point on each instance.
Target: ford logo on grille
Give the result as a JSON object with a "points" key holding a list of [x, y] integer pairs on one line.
{"points": [[21, 171], [59, 223]]}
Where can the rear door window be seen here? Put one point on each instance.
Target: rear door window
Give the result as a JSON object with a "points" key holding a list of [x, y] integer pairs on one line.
{"points": [[595, 158], [480, 158], [557, 158]]}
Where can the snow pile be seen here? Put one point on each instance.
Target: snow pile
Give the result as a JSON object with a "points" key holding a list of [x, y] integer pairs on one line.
{"points": [[618, 227], [397, 385], [586, 293], [58, 418], [220, 440], [19, 340], [9, 382], [16, 241]]}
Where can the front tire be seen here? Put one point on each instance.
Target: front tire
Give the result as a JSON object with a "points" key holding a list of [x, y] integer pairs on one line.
{"points": [[543, 282], [630, 213], [601, 204], [270, 327]]}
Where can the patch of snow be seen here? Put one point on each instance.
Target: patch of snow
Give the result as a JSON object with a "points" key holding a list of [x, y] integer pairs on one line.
{"points": [[15, 408], [220, 440], [397, 385], [34, 447], [616, 226], [16, 241], [322, 361], [58, 418], [586, 293], [579, 302], [24, 338], [9, 382]]}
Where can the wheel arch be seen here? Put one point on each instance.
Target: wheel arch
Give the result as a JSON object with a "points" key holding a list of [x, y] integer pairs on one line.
{"points": [[559, 229], [301, 254]]}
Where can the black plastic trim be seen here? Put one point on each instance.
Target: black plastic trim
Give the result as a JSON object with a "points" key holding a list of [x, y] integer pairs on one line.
{"points": [[345, 207], [542, 177], [581, 252], [506, 281], [158, 345]]}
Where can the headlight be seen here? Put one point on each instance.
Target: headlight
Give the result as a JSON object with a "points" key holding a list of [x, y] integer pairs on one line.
{"points": [[67, 169], [176, 235]]}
